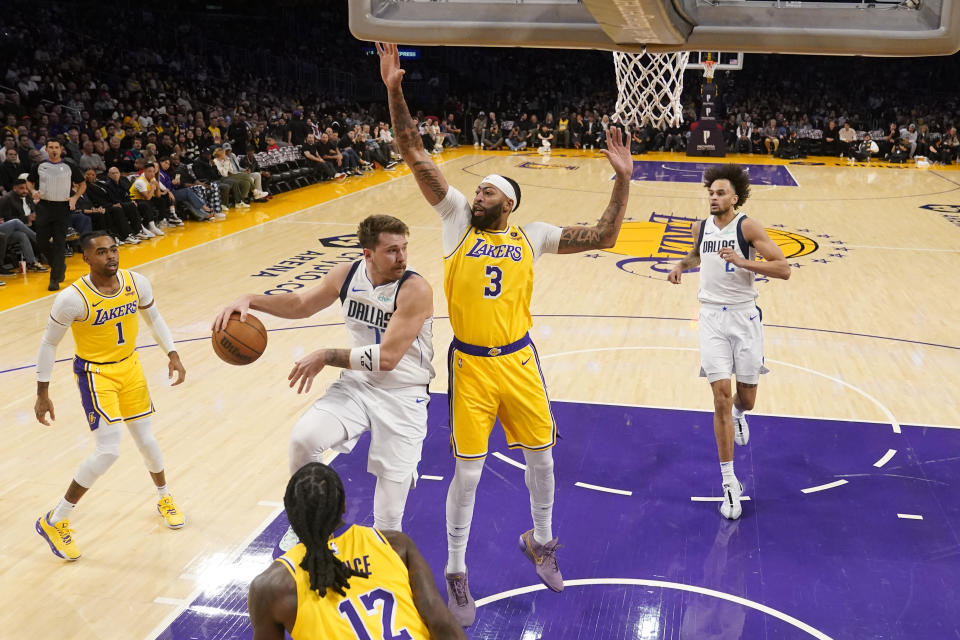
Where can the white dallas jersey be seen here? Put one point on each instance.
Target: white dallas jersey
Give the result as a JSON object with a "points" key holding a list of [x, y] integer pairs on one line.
{"points": [[720, 281], [366, 312]]}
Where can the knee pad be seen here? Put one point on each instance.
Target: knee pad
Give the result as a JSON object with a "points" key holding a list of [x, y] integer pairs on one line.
{"points": [[105, 453], [142, 434]]}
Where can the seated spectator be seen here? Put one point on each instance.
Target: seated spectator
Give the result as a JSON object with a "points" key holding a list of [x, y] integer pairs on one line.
{"points": [[790, 149], [866, 149], [638, 145], [479, 126], [117, 189], [237, 185], [349, 160], [258, 193], [514, 141], [311, 149], [209, 193], [386, 139], [771, 141], [831, 140], [90, 160], [887, 142], [951, 145], [170, 181], [115, 157], [104, 213], [451, 131], [144, 192], [545, 137], [910, 135], [673, 139], [16, 207], [576, 131], [492, 140], [11, 169], [900, 152], [563, 130], [743, 143]]}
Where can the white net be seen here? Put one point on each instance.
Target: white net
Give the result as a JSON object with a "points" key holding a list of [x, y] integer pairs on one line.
{"points": [[649, 87]]}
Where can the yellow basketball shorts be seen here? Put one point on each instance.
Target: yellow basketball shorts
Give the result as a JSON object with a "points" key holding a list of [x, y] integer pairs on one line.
{"points": [[509, 386], [112, 391]]}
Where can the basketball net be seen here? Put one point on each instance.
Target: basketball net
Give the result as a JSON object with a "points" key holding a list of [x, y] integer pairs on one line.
{"points": [[649, 87], [709, 66]]}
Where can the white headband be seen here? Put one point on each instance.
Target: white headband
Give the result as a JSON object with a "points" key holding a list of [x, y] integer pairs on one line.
{"points": [[501, 183]]}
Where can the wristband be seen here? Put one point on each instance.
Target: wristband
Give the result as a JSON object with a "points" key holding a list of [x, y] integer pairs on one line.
{"points": [[365, 358]]}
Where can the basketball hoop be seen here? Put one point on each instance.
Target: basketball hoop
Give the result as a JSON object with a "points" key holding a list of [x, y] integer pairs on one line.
{"points": [[649, 87], [709, 66]]}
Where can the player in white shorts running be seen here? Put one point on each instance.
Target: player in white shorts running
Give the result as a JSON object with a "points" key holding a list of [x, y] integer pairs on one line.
{"points": [[388, 312], [731, 334]]}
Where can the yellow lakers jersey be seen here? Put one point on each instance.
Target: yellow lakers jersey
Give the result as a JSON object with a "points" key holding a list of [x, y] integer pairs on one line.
{"points": [[488, 280], [377, 606], [108, 333]]}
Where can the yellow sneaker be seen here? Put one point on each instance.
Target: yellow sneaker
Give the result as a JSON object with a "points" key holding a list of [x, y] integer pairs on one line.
{"points": [[58, 537], [170, 512]]}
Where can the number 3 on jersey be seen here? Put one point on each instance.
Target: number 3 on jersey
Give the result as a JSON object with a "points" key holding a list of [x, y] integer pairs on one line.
{"points": [[493, 289], [369, 601]]}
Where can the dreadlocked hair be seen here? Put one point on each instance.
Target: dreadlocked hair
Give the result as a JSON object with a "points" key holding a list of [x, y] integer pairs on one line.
{"points": [[315, 502]]}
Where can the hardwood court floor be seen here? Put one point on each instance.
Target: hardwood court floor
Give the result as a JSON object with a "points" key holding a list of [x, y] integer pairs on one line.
{"points": [[864, 331]]}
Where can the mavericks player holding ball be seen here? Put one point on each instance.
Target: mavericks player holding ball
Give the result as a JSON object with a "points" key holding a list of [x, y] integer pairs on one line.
{"points": [[388, 311]]}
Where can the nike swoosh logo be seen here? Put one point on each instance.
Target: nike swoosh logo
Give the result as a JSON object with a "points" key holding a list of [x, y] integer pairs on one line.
{"points": [[753, 317], [97, 305], [707, 233], [419, 400], [525, 361], [355, 290]]}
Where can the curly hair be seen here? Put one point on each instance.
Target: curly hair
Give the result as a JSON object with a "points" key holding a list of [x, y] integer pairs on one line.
{"points": [[737, 176]]}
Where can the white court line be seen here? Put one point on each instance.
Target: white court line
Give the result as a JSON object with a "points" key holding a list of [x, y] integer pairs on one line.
{"points": [[174, 601], [824, 487], [886, 458], [597, 487], [712, 498], [864, 246], [510, 461], [909, 516], [891, 419], [270, 503], [803, 626], [431, 477]]}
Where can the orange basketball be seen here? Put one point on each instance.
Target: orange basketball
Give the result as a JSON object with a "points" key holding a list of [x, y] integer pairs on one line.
{"points": [[240, 342]]}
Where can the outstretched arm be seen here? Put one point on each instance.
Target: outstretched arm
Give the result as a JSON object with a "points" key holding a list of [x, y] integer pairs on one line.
{"points": [[689, 261], [603, 235], [431, 181]]}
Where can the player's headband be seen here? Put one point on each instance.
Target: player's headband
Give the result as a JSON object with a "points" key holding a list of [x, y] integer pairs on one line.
{"points": [[501, 183]]}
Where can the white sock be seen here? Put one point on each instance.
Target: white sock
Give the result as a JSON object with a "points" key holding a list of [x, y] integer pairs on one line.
{"points": [[460, 500], [62, 511], [737, 413], [726, 468], [163, 491], [540, 483]]}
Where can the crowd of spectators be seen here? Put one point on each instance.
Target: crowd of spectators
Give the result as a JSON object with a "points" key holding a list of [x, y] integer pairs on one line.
{"points": [[170, 119]]}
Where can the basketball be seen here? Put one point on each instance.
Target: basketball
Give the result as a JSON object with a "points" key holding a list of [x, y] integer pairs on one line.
{"points": [[240, 342]]}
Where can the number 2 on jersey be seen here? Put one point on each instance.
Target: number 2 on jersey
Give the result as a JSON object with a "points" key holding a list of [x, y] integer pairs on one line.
{"points": [[496, 285], [369, 601]]}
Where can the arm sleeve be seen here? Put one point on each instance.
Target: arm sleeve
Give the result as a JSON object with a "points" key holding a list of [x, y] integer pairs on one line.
{"points": [[455, 213], [67, 307], [154, 320], [544, 237]]}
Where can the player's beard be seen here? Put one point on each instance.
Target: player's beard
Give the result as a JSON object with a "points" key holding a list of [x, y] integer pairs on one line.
{"points": [[489, 217]]}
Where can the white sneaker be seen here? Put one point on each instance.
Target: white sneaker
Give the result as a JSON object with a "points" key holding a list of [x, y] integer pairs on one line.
{"points": [[219, 216], [145, 233], [224, 208], [741, 431], [155, 230], [730, 507], [289, 540], [132, 239]]}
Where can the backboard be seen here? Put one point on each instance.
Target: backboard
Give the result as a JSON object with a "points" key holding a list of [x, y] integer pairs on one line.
{"points": [[825, 27]]}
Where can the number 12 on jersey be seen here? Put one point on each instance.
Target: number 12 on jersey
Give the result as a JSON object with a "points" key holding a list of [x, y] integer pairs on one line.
{"points": [[493, 289], [369, 601]]}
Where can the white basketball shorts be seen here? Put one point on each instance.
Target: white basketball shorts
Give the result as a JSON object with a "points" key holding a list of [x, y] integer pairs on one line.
{"points": [[731, 342], [396, 419]]}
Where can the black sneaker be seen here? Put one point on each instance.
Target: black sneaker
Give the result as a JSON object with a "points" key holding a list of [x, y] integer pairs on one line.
{"points": [[7, 272]]}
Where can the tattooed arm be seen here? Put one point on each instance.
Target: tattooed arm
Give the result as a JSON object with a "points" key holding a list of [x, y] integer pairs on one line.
{"points": [[431, 181], [603, 235]]}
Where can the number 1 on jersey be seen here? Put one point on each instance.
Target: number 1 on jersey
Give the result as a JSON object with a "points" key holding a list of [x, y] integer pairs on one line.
{"points": [[495, 286], [120, 339]]}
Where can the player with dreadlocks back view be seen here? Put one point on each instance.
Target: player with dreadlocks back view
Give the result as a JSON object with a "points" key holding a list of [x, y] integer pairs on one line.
{"points": [[344, 580]]}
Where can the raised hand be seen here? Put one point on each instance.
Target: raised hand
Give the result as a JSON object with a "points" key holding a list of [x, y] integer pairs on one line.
{"points": [[618, 152], [390, 70]]}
